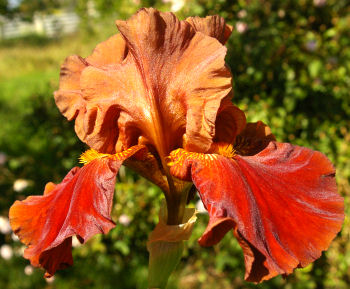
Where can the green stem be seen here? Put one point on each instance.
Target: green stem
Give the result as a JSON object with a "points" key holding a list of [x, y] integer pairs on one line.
{"points": [[176, 206]]}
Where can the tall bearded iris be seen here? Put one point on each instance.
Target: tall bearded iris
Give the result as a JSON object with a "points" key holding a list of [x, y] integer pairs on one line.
{"points": [[157, 97]]}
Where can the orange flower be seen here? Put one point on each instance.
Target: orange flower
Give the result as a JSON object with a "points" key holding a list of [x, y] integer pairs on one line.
{"points": [[157, 97], [280, 200]]}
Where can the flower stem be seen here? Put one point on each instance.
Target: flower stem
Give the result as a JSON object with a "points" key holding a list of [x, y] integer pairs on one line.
{"points": [[165, 246], [164, 257], [176, 207], [175, 199]]}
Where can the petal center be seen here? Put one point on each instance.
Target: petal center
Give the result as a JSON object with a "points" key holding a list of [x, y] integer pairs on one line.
{"points": [[92, 154], [224, 149]]}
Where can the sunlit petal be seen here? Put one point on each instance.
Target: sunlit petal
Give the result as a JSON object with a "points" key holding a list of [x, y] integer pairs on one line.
{"points": [[80, 205], [68, 98], [159, 79], [283, 203], [184, 73], [109, 52], [214, 26]]}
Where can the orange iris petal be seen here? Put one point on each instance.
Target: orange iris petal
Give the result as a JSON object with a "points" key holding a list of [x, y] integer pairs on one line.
{"points": [[112, 51], [282, 202], [80, 205], [159, 79], [229, 122], [213, 26], [253, 139]]}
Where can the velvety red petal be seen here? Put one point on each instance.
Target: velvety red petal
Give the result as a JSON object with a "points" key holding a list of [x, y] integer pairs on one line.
{"points": [[283, 203], [80, 205], [216, 229]]}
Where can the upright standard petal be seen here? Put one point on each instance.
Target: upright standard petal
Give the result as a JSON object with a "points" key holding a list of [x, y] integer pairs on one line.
{"points": [[68, 98], [159, 79], [183, 72], [282, 204], [80, 205], [229, 122], [109, 52], [253, 139], [214, 26]]}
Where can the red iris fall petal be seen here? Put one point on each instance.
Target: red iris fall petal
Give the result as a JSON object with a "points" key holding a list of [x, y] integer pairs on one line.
{"points": [[282, 202], [80, 205]]}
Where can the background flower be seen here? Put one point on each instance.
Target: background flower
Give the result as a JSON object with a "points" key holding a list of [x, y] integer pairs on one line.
{"points": [[6, 252], [5, 227]]}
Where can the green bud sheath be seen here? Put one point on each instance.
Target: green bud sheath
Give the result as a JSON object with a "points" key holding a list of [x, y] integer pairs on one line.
{"points": [[165, 246], [164, 257]]}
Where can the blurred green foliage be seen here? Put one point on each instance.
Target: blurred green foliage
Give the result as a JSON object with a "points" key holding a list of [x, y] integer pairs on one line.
{"points": [[291, 66]]}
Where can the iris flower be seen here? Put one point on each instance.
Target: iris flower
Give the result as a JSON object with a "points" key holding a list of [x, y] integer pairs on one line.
{"points": [[157, 98]]}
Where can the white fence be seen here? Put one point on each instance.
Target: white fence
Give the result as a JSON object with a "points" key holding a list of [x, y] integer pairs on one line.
{"points": [[52, 25]]}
